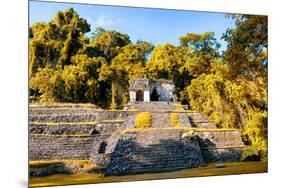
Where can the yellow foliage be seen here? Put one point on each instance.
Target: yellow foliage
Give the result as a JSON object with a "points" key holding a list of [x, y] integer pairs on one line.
{"points": [[63, 123], [143, 120], [178, 106], [248, 151], [184, 129], [175, 119], [46, 163], [188, 134]]}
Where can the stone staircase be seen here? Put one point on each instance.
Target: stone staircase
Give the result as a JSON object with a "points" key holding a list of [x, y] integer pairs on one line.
{"points": [[154, 106], [160, 120], [153, 151], [200, 120]]}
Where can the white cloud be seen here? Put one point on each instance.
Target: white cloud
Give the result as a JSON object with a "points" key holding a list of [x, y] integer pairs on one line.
{"points": [[104, 21]]}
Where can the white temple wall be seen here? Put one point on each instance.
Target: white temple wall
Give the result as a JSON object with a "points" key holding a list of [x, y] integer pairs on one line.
{"points": [[146, 96], [132, 96]]}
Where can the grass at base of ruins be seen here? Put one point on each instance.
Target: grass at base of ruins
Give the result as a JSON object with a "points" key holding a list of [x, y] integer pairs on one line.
{"points": [[209, 170]]}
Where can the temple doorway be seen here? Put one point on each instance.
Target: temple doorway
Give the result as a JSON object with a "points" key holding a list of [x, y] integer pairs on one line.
{"points": [[154, 95], [139, 95]]}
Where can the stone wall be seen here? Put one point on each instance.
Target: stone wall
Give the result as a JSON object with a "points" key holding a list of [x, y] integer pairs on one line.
{"points": [[93, 129], [164, 89], [54, 147], [221, 145], [199, 120], [184, 120], [84, 116], [153, 150]]}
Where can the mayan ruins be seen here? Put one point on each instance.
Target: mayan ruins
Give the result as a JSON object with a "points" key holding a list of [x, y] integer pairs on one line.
{"points": [[109, 138]]}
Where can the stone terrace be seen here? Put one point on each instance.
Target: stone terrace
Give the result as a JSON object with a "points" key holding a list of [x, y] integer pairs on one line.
{"points": [[79, 131]]}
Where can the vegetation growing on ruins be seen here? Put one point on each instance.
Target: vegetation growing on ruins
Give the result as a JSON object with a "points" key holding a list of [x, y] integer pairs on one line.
{"points": [[229, 86], [175, 120], [143, 120], [47, 163]]}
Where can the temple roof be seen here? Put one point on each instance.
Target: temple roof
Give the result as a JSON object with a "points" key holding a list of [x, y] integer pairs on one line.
{"points": [[144, 83], [139, 83]]}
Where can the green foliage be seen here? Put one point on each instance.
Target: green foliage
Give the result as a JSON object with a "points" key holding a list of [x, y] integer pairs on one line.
{"points": [[248, 152], [256, 130], [200, 51], [206, 94], [143, 120], [167, 62], [66, 66], [246, 53], [234, 92], [53, 44], [49, 83], [108, 43]]}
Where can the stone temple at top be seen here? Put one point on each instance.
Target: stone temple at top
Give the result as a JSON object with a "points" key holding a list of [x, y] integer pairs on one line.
{"points": [[146, 90]]}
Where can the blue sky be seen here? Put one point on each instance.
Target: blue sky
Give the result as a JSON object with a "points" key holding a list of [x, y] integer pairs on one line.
{"points": [[154, 25]]}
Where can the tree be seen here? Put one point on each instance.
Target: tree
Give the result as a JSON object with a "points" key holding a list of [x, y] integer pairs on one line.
{"points": [[49, 84], [97, 32], [246, 60], [200, 51], [246, 53], [108, 43], [55, 42], [233, 92], [127, 65], [167, 62]]}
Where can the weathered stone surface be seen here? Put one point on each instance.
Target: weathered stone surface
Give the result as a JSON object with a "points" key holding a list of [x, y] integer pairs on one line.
{"points": [[52, 147], [220, 138], [154, 151], [154, 106], [222, 155], [148, 151], [221, 146], [184, 120], [77, 116], [104, 158], [204, 125], [160, 120], [62, 129], [65, 118], [143, 89], [99, 128]]}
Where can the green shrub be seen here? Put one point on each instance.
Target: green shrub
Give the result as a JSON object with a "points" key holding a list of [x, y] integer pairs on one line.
{"points": [[175, 120], [250, 154], [143, 120]]}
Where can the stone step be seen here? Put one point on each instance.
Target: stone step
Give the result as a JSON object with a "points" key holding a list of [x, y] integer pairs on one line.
{"points": [[160, 148], [157, 140], [158, 164], [159, 153], [158, 159], [154, 155], [159, 136], [154, 106], [160, 120], [64, 118], [139, 170]]}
